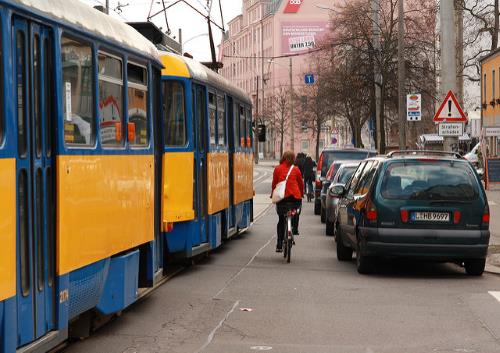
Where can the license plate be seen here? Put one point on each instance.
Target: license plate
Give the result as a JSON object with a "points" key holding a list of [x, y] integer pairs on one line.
{"points": [[431, 216]]}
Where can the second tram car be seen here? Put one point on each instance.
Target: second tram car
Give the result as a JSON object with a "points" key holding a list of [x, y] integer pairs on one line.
{"points": [[113, 157], [207, 157]]}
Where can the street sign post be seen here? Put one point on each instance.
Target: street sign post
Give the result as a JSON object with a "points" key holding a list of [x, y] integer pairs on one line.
{"points": [[309, 79], [414, 107], [451, 129]]}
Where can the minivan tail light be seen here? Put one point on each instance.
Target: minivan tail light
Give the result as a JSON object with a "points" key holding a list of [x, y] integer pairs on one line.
{"points": [[456, 216], [486, 214], [404, 216], [371, 211]]}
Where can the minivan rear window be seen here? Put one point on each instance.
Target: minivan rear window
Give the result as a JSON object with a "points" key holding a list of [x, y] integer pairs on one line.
{"points": [[330, 156], [429, 180]]}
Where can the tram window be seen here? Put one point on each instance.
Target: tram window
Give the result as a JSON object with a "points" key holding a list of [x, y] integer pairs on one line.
{"points": [[212, 109], [1, 97], [237, 140], [243, 124], [201, 107], [175, 115], [37, 111], [110, 100], [221, 120], [49, 96], [21, 92], [138, 104], [23, 231], [78, 93], [249, 128]]}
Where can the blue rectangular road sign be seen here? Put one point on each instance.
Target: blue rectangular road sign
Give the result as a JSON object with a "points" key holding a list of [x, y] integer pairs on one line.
{"points": [[309, 79]]}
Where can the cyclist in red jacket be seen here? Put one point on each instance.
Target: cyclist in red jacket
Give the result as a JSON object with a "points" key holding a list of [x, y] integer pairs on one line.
{"points": [[294, 191]]}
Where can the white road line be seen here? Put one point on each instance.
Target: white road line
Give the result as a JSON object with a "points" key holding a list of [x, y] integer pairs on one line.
{"points": [[492, 203], [495, 295], [219, 325]]}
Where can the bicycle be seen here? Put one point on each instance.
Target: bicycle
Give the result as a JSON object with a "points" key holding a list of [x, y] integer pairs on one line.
{"points": [[288, 238]]}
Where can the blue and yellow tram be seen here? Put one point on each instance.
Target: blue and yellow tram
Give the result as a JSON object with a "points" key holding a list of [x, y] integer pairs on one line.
{"points": [[98, 181], [208, 140]]}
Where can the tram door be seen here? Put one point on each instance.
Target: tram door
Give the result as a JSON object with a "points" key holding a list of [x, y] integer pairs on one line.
{"points": [[32, 50], [200, 128]]}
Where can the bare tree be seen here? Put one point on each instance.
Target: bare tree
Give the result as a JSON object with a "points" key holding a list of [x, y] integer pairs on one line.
{"points": [[353, 56], [280, 111], [481, 26], [315, 105]]}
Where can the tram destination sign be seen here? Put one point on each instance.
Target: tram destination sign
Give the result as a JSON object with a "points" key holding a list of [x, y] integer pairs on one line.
{"points": [[451, 129]]}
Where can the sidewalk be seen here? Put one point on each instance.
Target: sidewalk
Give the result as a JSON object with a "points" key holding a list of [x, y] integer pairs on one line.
{"points": [[268, 162]]}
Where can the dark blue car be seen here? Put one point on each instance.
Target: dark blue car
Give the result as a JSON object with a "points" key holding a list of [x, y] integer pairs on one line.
{"points": [[419, 204]]}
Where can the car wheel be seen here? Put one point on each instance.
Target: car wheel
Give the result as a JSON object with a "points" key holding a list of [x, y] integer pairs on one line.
{"points": [[364, 264], [344, 253], [317, 206], [323, 215], [474, 267], [330, 227]]}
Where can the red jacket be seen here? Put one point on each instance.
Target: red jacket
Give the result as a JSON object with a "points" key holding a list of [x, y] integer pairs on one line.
{"points": [[295, 183]]}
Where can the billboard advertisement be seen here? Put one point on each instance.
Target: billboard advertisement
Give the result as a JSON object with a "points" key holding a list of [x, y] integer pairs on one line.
{"points": [[297, 37]]}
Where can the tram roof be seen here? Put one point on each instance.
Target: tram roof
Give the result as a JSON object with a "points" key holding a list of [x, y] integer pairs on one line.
{"points": [[83, 16], [176, 65]]}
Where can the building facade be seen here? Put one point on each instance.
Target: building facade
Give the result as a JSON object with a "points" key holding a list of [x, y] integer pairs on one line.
{"points": [[267, 52]]}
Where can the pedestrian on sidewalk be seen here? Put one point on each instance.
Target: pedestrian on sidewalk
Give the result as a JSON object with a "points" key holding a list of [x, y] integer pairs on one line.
{"points": [[294, 191]]}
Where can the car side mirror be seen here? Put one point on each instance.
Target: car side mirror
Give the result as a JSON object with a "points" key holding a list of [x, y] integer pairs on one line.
{"points": [[337, 190]]}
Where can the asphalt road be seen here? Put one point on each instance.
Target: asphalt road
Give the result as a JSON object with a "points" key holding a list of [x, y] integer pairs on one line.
{"points": [[245, 298]]}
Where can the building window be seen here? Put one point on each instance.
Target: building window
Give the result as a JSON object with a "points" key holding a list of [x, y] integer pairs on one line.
{"points": [[77, 92], [484, 89], [304, 145], [493, 77]]}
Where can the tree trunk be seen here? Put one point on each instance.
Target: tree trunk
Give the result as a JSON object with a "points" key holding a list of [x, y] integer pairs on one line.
{"points": [[382, 119], [318, 133], [281, 144]]}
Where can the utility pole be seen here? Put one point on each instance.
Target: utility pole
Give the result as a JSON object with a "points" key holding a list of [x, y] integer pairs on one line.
{"points": [[460, 51], [292, 125], [401, 76], [262, 71], [107, 7], [256, 135], [376, 73], [448, 58]]}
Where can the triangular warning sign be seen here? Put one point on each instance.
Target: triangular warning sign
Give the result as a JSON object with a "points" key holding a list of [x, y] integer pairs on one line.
{"points": [[450, 110]]}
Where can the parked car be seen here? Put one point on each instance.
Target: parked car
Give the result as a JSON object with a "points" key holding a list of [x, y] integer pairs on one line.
{"points": [[472, 156], [330, 175], [424, 204], [327, 157], [342, 176]]}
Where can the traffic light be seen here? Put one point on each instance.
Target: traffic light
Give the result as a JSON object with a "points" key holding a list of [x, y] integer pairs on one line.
{"points": [[261, 132]]}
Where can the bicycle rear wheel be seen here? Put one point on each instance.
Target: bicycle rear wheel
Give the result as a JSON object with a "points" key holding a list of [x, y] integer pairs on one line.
{"points": [[285, 247], [289, 243]]}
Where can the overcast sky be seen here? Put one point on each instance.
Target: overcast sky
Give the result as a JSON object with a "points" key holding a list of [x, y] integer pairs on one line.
{"points": [[179, 16]]}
